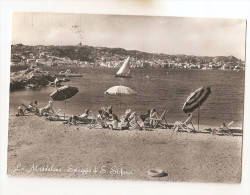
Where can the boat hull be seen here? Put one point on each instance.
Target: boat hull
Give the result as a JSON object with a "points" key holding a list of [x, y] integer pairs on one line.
{"points": [[123, 76], [69, 75]]}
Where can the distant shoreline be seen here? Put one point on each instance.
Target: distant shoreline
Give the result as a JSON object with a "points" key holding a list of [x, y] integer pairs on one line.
{"points": [[85, 56]]}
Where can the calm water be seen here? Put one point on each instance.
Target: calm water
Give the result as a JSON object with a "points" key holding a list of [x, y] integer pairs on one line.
{"points": [[156, 88]]}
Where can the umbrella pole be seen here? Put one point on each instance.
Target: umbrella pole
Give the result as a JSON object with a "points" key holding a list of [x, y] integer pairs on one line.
{"points": [[64, 106], [199, 117]]}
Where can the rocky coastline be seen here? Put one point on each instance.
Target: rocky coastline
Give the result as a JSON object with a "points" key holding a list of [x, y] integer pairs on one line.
{"points": [[31, 78]]}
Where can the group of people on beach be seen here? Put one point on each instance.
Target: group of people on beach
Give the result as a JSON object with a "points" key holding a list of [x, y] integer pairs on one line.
{"points": [[107, 119], [33, 108]]}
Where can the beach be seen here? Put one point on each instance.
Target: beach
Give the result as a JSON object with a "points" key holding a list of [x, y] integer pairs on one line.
{"points": [[38, 147]]}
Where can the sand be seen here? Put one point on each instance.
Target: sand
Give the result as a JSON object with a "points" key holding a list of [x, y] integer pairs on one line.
{"points": [[41, 148]]}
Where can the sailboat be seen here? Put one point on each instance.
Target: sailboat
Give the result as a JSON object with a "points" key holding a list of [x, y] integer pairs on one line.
{"points": [[124, 71]]}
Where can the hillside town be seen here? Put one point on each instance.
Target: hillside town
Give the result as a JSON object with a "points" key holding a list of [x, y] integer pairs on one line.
{"points": [[87, 56]]}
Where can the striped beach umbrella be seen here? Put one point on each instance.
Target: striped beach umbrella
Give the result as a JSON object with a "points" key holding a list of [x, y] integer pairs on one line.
{"points": [[64, 93], [196, 99]]}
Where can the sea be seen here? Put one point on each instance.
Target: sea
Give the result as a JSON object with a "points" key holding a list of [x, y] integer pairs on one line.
{"points": [[156, 88]]}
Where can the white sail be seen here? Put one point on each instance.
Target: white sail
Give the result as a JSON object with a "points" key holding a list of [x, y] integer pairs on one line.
{"points": [[124, 70]]}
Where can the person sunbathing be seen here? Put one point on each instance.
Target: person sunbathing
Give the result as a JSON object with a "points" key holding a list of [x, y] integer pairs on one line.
{"points": [[153, 115], [46, 110], [124, 124], [115, 122], [184, 125], [32, 107], [81, 118], [101, 119], [57, 82], [35, 108], [107, 112], [133, 122], [74, 119], [20, 111], [223, 129]]}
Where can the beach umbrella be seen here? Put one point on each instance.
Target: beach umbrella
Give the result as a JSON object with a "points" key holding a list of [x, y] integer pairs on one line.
{"points": [[64, 93], [120, 91], [196, 99]]}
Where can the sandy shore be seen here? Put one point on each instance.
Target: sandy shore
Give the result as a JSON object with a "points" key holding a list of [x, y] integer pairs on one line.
{"points": [[38, 147]]}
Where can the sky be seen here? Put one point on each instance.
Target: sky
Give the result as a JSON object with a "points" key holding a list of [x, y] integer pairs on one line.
{"points": [[169, 35]]}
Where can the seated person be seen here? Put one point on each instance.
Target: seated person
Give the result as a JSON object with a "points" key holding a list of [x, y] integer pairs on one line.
{"points": [[101, 119], [57, 82], [125, 119], [46, 110], [184, 125], [35, 108], [114, 123], [28, 108], [153, 115], [107, 112], [133, 122], [20, 111], [32, 107]]}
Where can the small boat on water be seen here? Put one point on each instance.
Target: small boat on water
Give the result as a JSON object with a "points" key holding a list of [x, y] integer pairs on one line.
{"points": [[68, 73], [124, 71]]}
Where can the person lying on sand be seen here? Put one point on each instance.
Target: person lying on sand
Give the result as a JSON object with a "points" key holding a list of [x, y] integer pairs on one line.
{"points": [[79, 118], [223, 129], [46, 110]]}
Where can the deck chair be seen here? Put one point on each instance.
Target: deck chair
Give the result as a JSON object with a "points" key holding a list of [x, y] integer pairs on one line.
{"points": [[184, 126], [162, 122], [56, 117]]}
